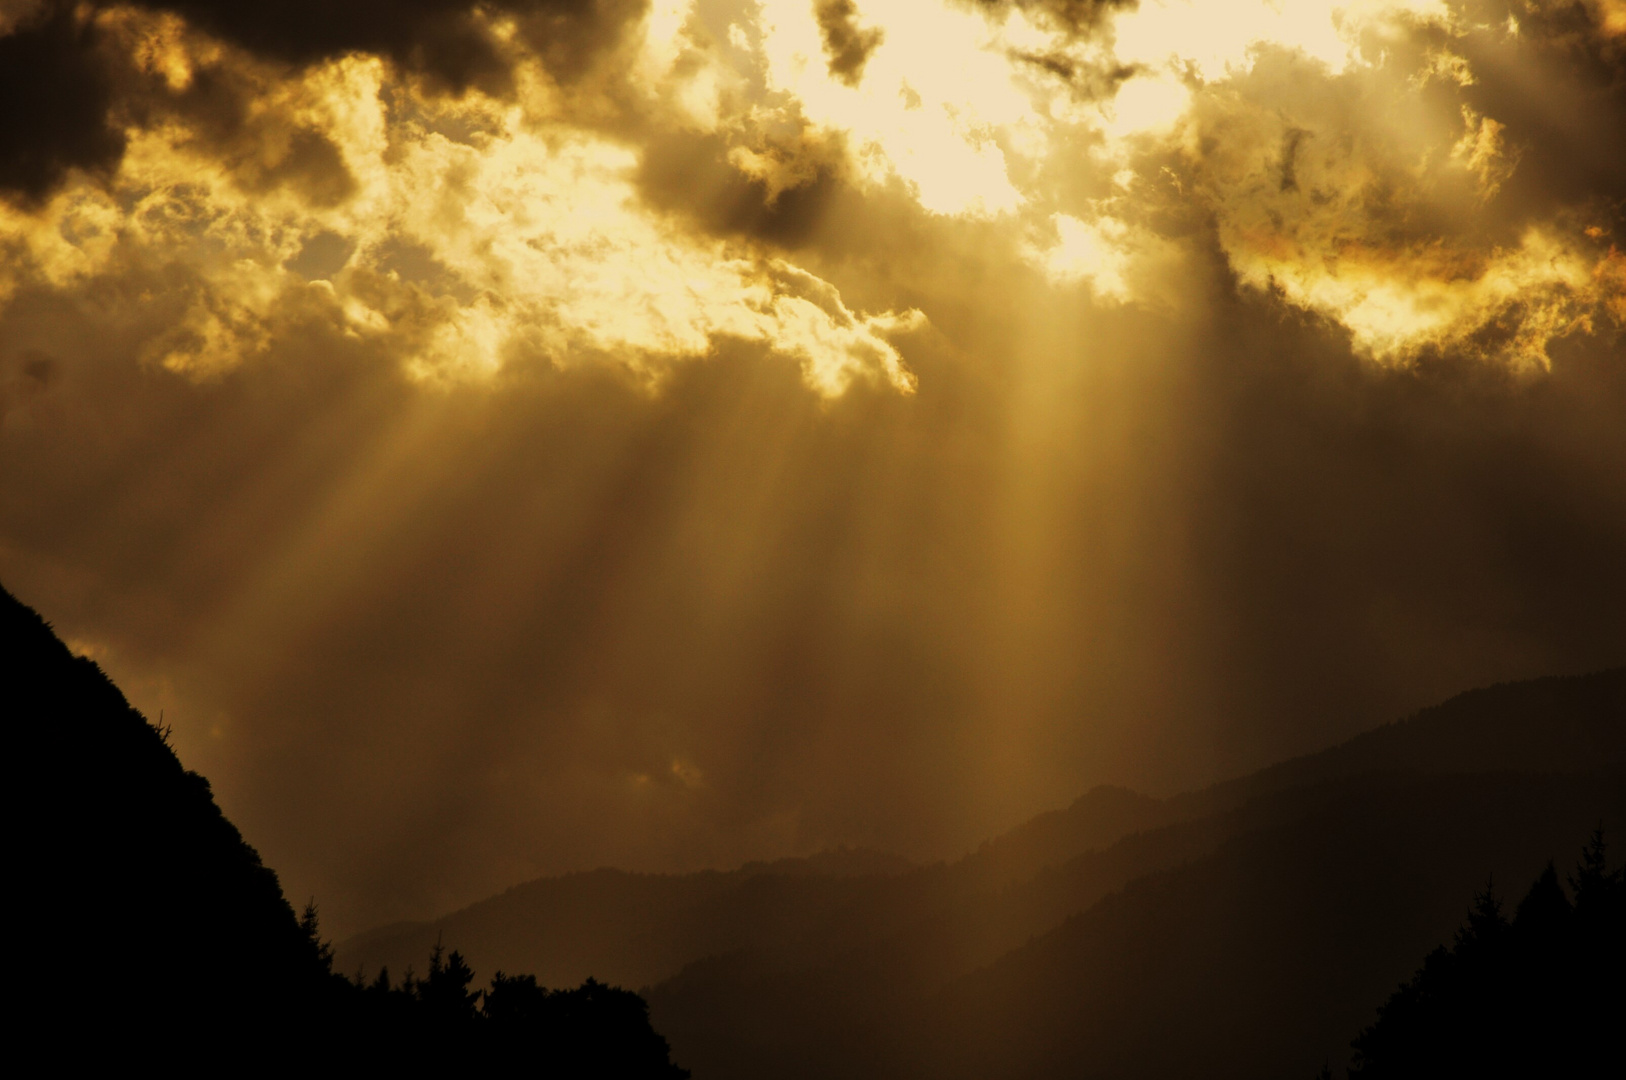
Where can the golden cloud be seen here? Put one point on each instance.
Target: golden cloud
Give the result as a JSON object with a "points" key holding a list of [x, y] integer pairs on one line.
{"points": [[1365, 196], [1337, 149], [476, 231], [1345, 171]]}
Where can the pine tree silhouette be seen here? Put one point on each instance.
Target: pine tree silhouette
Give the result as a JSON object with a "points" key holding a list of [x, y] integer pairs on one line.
{"points": [[445, 993], [1542, 995]]}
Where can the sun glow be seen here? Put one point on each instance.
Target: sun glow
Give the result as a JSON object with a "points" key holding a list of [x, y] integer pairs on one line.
{"points": [[933, 100], [480, 230]]}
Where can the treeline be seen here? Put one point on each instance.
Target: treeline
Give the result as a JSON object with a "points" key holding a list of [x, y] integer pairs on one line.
{"points": [[152, 937], [442, 1020], [1540, 994]]}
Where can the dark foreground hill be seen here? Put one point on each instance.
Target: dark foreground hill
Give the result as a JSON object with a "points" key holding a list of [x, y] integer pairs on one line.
{"points": [[145, 907], [152, 935], [1247, 929]]}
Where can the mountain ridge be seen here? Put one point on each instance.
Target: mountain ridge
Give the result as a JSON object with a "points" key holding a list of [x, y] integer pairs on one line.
{"points": [[640, 931], [1242, 944]]}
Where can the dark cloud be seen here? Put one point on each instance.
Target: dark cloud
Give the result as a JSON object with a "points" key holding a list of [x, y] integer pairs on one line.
{"points": [[847, 46], [64, 88], [440, 38], [571, 36], [221, 107], [1092, 82], [434, 36], [1559, 87], [55, 94], [1076, 17], [690, 173], [322, 256]]}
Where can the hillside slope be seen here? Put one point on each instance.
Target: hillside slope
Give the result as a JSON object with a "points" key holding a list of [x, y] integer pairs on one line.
{"points": [[153, 936], [132, 874]]}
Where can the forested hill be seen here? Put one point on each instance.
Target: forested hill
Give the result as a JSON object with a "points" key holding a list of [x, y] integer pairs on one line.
{"points": [[152, 934], [146, 910]]}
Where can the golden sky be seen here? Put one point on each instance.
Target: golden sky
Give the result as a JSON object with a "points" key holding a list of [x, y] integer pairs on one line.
{"points": [[528, 435]]}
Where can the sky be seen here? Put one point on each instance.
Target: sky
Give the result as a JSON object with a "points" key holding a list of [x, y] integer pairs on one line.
{"points": [[512, 438]]}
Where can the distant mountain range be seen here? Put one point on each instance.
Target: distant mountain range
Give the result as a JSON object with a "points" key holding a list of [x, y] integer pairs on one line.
{"points": [[1250, 928]]}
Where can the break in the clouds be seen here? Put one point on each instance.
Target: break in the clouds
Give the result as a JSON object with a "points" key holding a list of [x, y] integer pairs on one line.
{"points": [[463, 179], [518, 435]]}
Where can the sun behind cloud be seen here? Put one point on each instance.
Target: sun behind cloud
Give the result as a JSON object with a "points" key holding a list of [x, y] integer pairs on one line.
{"points": [[1341, 150]]}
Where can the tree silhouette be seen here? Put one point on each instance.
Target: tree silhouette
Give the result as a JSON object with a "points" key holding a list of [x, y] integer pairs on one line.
{"points": [[439, 1023], [447, 1000], [514, 1002], [1540, 995]]}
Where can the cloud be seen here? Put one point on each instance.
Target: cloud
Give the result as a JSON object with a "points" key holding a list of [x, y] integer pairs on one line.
{"points": [[434, 36], [456, 42], [63, 73], [54, 99], [1378, 166], [1395, 193], [847, 45], [1392, 229], [531, 241]]}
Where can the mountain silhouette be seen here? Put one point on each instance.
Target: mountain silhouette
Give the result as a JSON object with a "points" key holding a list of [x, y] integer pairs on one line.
{"points": [[137, 886], [984, 966], [1262, 958], [153, 935], [1249, 928]]}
